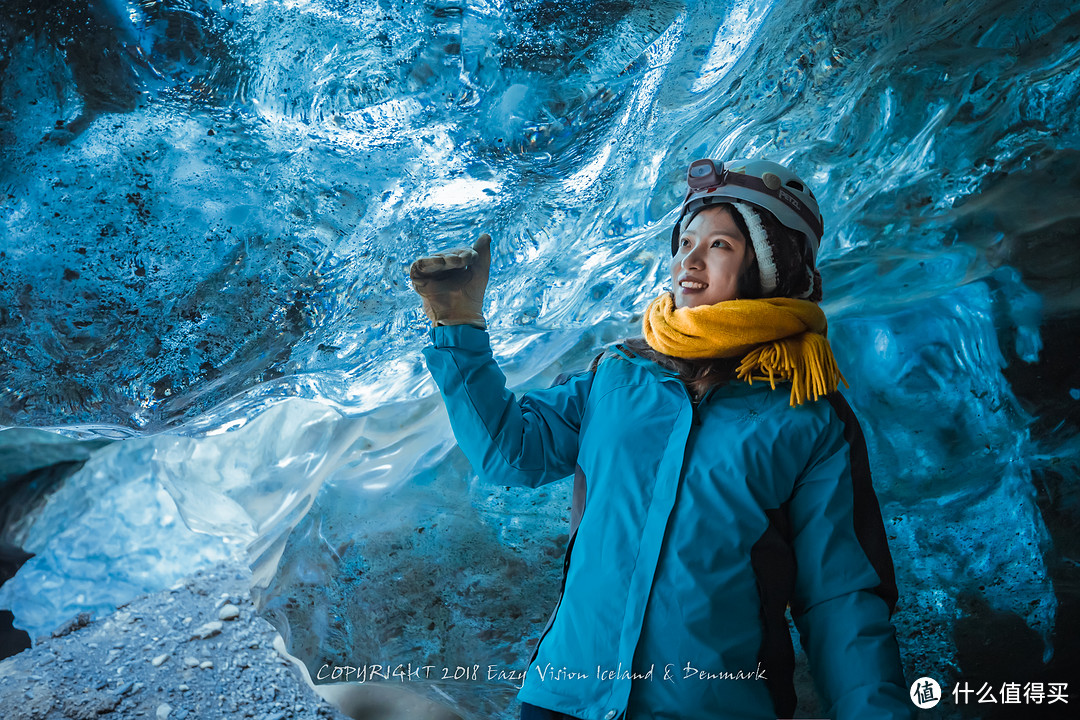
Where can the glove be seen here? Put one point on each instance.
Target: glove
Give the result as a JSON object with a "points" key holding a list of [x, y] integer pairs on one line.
{"points": [[451, 284]]}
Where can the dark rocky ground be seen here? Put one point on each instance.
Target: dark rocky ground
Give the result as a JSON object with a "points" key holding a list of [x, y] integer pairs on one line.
{"points": [[195, 652]]}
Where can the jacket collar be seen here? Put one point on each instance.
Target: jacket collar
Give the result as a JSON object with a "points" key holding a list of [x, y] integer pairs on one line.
{"points": [[732, 388]]}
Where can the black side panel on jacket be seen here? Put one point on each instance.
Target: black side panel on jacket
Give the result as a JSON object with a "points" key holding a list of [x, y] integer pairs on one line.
{"points": [[869, 528], [774, 568]]}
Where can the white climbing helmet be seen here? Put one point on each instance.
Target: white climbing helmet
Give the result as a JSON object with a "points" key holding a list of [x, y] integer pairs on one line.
{"points": [[762, 183]]}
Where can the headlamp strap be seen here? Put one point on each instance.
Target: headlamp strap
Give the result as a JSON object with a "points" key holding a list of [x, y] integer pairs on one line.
{"points": [[750, 182]]}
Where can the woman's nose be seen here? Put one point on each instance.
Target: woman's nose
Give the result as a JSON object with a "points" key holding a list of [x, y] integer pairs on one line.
{"points": [[693, 258]]}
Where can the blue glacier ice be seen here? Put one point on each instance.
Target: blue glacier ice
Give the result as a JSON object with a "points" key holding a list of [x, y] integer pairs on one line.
{"points": [[210, 349]]}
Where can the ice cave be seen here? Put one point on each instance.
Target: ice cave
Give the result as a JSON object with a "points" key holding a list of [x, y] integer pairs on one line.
{"points": [[211, 349]]}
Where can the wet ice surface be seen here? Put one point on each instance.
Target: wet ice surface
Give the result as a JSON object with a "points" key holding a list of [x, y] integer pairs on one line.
{"points": [[207, 211]]}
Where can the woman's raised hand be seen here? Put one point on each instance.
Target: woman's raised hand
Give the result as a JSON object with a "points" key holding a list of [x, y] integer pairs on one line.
{"points": [[451, 284]]}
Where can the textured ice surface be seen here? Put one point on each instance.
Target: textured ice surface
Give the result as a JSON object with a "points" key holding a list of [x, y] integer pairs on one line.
{"points": [[208, 208]]}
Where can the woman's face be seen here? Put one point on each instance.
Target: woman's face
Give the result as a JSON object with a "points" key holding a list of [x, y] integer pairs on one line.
{"points": [[712, 253]]}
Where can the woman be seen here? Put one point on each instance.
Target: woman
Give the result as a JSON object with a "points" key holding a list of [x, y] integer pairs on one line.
{"points": [[719, 476]]}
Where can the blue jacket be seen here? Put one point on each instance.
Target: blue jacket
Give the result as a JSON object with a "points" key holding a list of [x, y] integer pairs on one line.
{"points": [[701, 523]]}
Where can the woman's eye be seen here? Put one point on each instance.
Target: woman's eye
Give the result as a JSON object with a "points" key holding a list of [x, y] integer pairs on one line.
{"points": [[719, 243]]}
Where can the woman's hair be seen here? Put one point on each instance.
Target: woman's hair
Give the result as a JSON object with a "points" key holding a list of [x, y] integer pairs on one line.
{"points": [[748, 284]]}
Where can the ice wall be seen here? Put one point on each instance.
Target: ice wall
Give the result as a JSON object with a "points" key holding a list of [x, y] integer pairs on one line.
{"points": [[208, 208]]}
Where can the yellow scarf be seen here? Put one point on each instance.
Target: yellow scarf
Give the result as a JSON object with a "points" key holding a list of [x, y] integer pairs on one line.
{"points": [[778, 338]]}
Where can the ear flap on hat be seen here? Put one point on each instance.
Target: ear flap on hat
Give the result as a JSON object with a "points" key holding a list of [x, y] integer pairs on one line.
{"points": [[762, 247]]}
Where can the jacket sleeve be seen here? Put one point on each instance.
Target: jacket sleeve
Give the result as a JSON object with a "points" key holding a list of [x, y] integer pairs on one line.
{"points": [[845, 587], [530, 441]]}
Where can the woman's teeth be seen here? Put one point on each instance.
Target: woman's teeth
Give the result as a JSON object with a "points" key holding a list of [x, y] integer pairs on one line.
{"points": [[690, 285]]}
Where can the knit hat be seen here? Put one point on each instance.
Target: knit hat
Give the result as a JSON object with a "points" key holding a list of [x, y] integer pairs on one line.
{"points": [[781, 263]]}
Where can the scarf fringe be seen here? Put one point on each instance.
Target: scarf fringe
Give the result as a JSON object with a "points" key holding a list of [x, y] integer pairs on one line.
{"points": [[806, 361]]}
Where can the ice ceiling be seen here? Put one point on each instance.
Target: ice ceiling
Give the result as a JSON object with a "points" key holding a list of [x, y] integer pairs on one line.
{"points": [[210, 349]]}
